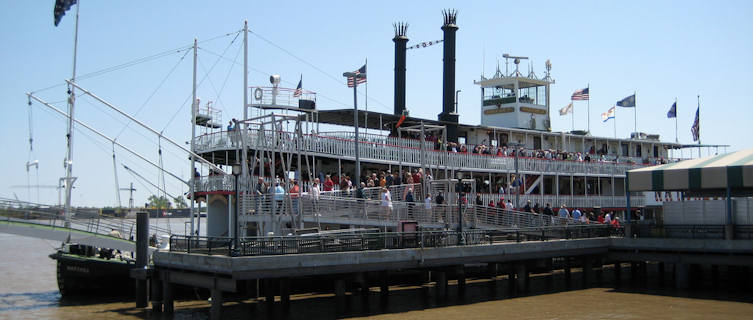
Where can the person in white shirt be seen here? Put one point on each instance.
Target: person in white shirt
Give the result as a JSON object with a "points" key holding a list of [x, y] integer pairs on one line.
{"points": [[608, 218], [386, 201], [315, 194]]}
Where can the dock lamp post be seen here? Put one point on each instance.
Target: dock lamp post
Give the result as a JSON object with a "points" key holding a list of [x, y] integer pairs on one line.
{"points": [[459, 190], [356, 76], [236, 174]]}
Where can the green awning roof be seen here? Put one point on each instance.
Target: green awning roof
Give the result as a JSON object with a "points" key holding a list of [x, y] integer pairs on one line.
{"points": [[716, 172]]}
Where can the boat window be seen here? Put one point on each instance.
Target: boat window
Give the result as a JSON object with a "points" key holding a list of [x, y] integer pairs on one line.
{"points": [[498, 95], [533, 95]]}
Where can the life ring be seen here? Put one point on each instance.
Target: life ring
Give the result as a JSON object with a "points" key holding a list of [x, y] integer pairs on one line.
{"points": [[258, 94]]}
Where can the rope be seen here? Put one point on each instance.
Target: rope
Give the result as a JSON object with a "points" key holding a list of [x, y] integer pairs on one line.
{"points": [[137, 61], [153, 92]]}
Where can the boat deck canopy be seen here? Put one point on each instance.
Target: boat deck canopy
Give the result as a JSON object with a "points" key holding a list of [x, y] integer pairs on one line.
{"points": [[733, 170]]}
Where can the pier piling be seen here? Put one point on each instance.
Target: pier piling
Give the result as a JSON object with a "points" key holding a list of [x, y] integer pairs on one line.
{"points": [[215, 310], [142, 252]]}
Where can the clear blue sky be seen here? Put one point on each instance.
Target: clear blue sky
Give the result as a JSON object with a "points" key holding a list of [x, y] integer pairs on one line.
{"points": [[660, 49]]}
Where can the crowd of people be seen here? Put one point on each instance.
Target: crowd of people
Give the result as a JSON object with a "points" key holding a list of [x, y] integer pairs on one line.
{"points": [[591, 155]]}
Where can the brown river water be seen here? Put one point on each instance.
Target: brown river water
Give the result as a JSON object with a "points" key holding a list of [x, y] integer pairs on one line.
{"points": [[28, 290]]}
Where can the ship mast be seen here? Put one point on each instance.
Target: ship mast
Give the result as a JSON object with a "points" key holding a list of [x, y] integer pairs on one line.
{"points": [[69, 179]]}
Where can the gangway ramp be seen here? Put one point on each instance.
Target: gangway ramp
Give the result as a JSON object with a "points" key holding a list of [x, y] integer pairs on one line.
{"points": [[63, 234], [44, 222]]}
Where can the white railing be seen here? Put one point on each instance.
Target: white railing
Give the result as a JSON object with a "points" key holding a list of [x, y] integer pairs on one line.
{"points": [[279, 96], [362, 211], [556, 201], [402, 151]]}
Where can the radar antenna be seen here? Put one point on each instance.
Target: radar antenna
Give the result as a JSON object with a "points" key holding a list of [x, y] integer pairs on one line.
{"points": [[516, 61]]}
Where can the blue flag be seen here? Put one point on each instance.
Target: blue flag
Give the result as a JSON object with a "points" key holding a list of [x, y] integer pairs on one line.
{"points": [[61, 6], [672, 113], [628, 102]]}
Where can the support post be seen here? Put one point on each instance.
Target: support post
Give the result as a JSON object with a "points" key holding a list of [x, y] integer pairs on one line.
{"points": [[215, 310], [441, 283], [617, 272], [269, 295], [661, 273], [142, 243], [521, 272], [155, 295], [285, 294], [588, 270], [384, 289], [681, 275], [729, 227], [461, 281], [167, 295], [340, 293]]}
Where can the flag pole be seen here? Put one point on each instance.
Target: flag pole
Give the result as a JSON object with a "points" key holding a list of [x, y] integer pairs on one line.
{"points": [[699, 125], [366, 102], [615, 122], [572, 115], [71, 103], [588, 87], [676, 140], [635, 114]]}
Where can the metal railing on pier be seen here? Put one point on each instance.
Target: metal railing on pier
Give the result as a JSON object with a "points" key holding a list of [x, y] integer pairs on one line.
{"points": [[316, 243], [690, 231], [81, 220]]}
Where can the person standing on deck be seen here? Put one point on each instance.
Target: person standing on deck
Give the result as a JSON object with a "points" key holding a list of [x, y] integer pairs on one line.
{"points": [[576, 214], [259, 192], [295, 193], [563, 213], [315, 194], [548, 210], [279, 194], [328, 184]]}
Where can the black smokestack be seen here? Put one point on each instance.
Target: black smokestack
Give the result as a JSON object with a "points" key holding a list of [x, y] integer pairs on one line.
{"points": [[400, 40], [449, 114]]}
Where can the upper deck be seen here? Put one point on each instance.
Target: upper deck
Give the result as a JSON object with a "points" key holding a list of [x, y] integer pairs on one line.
{"points": [[402, 151]]}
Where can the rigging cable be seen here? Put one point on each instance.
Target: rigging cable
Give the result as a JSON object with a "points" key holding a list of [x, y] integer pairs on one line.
{"points": [[227, 76], [336, 79], [137, 61], [30, 161], [154, 92], [205, 77], [318, 95]]}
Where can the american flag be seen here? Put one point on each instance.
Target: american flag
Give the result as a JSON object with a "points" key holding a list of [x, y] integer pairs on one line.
{"points": [[361, 79], [61, 6], [696, 128], [299, 89], [581, 94]]}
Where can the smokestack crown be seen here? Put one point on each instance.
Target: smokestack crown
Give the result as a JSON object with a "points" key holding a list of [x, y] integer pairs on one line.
{"points": [[450, 17], [401, 30]]}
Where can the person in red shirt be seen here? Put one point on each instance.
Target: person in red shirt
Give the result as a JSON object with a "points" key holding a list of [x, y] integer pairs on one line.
{"points": [[600, 219], [328, 184], [615, 222], [295, 193]]}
